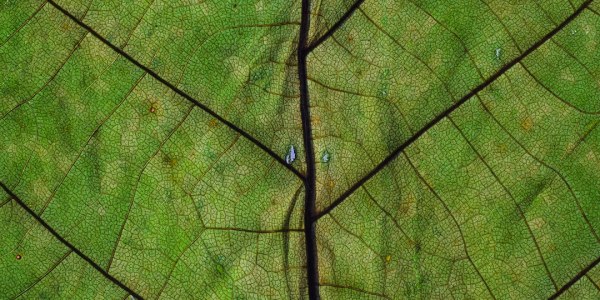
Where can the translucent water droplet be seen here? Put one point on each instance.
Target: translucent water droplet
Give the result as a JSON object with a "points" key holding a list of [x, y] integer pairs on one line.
{"points": [[498, 53], [291, 155], [325, 157]]}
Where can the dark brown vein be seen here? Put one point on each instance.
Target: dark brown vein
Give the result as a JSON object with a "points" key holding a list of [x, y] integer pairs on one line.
{"points": [[335, 26], [592, 281], [575, 58], [162, 288], [339, 90], [92, 135], [137, 24], [50, 80], [583, 137], [511, 196], [354, 289], [39, 279], [452, 108], [563, 179], [593, 11], [67, 243], [504, 27], [310, 181], [24, 23], [443, 83], [137, 182], [178, 91], [546, 88], [573, 280], [357, 237], [285, 237], [447, 209], [460, 41], [284, 230]]}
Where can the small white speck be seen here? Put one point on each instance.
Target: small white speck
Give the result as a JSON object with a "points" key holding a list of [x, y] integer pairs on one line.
{"points": [[573, 31], [291, 156], [498, 53], [325, 157]]}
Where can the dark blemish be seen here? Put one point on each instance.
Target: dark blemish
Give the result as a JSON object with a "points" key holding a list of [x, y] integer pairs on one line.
{"points": [[169, 160], [172, 162], [18, 257], [418, 247], [152, 109], [213, 123], [329, 184]]}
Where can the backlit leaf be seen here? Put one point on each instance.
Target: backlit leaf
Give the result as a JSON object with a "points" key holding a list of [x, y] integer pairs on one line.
{"points": [[253, 149]]}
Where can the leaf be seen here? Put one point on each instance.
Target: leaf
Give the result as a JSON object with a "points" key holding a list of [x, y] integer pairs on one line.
{"points": [[296, 149]]}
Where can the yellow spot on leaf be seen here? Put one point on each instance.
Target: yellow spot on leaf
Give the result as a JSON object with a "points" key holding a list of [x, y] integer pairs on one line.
{"points": [[65, 26], [567, 75], [537, 223], [316, 120], [388, 258]]}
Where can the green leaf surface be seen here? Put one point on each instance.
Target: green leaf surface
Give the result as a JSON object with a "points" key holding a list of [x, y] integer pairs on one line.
{"points": [[398, 149]]}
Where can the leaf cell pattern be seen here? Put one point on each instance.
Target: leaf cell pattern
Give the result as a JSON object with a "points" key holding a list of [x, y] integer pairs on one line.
{"points": [[441, 149]]}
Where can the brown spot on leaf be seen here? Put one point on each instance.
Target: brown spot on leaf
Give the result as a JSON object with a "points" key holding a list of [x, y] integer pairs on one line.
{"points": [[172, 162], [152, 109], [65, 26], [527, 124], [502, 148], [213, 123], [329, 184], [169, 160], [18, 257]]}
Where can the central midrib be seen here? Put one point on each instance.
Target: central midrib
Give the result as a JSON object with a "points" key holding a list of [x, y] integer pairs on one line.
{"points": [[310, 178]]}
